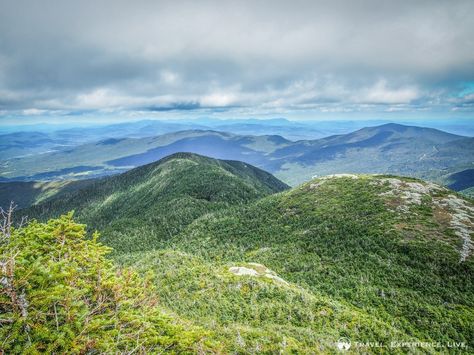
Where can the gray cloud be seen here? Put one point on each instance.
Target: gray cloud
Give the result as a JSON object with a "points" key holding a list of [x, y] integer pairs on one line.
{"points": [[263, 56]]}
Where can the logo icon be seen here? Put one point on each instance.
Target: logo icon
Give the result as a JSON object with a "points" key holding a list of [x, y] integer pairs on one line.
{"points": [[343, 344]]}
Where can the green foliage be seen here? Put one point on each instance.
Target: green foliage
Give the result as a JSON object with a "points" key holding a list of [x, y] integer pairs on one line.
{"points": [[60, 294], [255, 314], [26, 194], [358, 261], [340, 239], [139, 209]]}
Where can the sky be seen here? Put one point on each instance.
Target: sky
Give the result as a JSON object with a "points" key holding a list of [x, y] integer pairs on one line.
{"points": [[123, 60]]}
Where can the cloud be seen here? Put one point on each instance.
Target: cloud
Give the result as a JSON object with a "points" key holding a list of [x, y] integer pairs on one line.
{"points": [[219, 99], [380, 93], [258, 56], [33, 112]]}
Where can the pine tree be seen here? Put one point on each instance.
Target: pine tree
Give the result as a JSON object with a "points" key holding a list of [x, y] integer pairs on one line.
{"points": [[60, 294]]}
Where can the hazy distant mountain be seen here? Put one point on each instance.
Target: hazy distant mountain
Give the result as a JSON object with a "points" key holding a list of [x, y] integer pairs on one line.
{"points": [[15, 144], [391, 148], [18, 141], [41, 139], [26, 143], [116, 155]]}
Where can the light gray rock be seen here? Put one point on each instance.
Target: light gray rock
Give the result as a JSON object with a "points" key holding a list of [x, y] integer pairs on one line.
{"points": [[240, 271]]}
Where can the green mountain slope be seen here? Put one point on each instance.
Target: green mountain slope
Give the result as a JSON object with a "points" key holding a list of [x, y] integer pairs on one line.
{"points": [[256, 314], [462, 181], [28, 193], [399, 250], [388, 149], [160, 198], [369, 258]]}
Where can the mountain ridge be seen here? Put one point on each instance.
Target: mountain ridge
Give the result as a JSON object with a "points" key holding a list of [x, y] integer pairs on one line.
{"points": [[395, 149], [398, 248], [167, 195]]}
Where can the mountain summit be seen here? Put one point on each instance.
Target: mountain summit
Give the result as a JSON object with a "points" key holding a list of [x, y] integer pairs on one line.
{"points": [[164, 196], [396, 248]]}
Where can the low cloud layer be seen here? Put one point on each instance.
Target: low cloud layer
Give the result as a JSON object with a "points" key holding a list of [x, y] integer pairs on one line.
{"points": [[252, 57]]}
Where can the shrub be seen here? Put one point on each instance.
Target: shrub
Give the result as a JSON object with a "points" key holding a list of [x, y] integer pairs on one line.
{"points": [[59, 293]]}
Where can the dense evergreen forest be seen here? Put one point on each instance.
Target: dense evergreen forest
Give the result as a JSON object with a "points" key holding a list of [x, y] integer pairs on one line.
{"points": [[198, 255]]}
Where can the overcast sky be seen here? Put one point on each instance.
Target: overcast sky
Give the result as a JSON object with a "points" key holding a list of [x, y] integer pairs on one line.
{"points": [[237, 58]]}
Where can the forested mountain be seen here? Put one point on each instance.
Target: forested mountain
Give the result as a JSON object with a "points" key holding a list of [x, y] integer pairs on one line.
{"points": [[28, 193], [399, 250], [366, 257], [395, 149], [160, 198]]}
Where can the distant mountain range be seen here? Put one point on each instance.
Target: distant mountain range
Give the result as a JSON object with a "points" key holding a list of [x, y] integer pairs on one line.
{"points": [[29, 140], [391, 148], [23, 140]]}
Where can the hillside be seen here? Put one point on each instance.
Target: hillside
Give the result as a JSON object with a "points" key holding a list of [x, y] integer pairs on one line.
{"points": [[161, 197], [398, 250], [419, 152], [370, 258], [28, 193], [388, 149], [59, 294], [462, 181]]}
